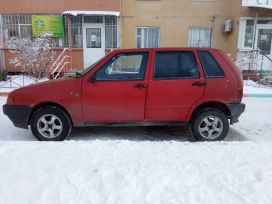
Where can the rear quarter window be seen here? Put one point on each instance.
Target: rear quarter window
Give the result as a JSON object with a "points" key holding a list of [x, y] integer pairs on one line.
{"points": [[211, 67]]}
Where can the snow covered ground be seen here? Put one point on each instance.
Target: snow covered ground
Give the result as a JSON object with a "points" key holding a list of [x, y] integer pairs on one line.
{"points": [[141, 164], [124, 172], [251, 87]]}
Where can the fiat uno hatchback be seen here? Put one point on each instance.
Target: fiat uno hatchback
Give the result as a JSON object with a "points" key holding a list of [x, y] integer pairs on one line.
{"points": [[201, 88]]}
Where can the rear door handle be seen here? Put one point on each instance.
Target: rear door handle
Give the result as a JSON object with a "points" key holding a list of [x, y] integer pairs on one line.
{"points": [[198, 83], [140, 86]]}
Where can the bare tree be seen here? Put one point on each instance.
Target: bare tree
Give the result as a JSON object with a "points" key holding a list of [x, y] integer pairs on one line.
{"points": [[32, 56]]}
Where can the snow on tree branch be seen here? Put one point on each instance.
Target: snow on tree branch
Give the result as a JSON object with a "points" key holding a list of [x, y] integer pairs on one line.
{"points": [[33, 56]]}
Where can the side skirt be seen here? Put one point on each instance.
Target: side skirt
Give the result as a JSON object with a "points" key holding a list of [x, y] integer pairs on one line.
{"points": [[125, 124]]}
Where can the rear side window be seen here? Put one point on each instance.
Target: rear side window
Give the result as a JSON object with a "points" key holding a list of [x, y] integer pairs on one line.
{"points": [[171, 65], [211, 67]]}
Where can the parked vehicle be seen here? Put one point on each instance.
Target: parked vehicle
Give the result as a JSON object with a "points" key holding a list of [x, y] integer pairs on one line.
{"points": [[164, 86]]}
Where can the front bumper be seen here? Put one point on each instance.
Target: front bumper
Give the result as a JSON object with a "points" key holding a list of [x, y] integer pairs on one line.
{"points": [[236, 110], [19, 115]]}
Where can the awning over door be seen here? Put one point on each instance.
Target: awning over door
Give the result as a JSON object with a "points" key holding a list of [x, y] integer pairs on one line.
{"points": [[95, 13], [258, 3]]}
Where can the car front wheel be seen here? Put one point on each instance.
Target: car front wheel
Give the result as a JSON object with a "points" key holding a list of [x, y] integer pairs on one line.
{"points": [[210, 125], [50, 124]]}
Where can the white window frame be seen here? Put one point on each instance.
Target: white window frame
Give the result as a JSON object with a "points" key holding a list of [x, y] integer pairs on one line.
{"points": [[147, 27], [17, 23], [117, 25], [211, 37], [242, 32]]}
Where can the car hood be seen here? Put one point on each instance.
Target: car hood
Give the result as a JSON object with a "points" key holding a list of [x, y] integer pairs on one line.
{"points": [[51, 90]]}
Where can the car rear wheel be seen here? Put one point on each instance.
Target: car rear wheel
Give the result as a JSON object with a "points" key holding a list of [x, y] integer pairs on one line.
{"points": [[210, 125], [50, 124]]}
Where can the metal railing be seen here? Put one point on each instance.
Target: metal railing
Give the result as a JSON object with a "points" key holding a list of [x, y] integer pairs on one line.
{"points": [[256, 66], [16, 81], [62, 64]]}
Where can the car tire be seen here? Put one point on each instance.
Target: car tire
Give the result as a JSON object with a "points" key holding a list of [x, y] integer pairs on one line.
{"points": [[50, 124], [210, 125]]}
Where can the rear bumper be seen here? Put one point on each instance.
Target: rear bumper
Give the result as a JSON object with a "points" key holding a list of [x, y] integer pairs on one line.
{"points": [[19, 115], [236, 110]]}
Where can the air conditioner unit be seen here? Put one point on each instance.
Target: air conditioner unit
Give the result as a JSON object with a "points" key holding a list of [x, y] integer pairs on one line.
{"points": [[228, 26]]}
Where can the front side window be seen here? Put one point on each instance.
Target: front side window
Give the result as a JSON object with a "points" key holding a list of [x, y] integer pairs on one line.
{"points": [[147, 37], [129, 66], [210, 66], [200, 37], [172, 65]]}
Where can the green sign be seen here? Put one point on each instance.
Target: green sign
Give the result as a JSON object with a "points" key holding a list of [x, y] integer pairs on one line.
{"points": [[47, 24], [258, 3]]}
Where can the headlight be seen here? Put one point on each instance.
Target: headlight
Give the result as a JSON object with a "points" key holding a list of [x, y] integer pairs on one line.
{"points": [[10, 100]]}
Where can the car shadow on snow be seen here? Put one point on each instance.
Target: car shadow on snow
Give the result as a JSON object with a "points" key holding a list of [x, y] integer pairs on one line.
{"points": [[140, 133], [156, 133], [235, 135]]}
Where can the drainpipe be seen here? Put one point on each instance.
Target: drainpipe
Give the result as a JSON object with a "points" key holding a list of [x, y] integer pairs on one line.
{"points": [[119, 27], [254, 32], [69, 31], [254, 40], [70, 40]]}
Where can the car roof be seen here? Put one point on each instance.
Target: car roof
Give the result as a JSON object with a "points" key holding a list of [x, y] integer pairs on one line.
{"points": [[163, 49]]}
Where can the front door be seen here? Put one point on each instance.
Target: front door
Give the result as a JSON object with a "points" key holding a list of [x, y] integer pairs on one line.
{"points": [[93, 43], [117, 91]]}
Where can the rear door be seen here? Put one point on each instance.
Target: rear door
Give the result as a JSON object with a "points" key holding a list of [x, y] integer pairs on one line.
{"points": [[117, 91], [175, 84]]}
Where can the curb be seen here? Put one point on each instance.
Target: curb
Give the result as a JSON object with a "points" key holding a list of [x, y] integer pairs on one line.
{"points": [[258, 95]]}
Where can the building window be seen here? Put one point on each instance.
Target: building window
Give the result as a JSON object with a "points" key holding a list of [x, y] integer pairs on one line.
{"points": [[16, 26], [20, 25], [76, 31], [147, 37], [111, 31], [93, 19], [200, 37], [249, 34]]}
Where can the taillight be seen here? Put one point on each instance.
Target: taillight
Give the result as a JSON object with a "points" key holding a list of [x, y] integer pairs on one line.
{"points": [[10, 100]]}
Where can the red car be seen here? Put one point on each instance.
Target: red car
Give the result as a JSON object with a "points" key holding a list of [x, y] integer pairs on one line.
{"points": [[165, 86]]}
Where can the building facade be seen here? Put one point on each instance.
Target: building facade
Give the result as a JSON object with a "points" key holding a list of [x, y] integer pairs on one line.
{"points": [[93, 28], [88, 28], [255, 35]]}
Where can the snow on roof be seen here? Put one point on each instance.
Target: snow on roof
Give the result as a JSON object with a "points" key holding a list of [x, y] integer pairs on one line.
{"points": [[99, 13]]}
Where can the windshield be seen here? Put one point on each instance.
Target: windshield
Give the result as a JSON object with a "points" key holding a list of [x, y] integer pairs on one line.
{"points": [[85, 71]]}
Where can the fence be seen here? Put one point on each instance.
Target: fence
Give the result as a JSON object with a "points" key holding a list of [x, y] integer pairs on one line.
{"points": [[256, 66]]}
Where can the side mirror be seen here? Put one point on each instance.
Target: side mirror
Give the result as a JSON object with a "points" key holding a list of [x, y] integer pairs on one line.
{"points": [[92, 79]]}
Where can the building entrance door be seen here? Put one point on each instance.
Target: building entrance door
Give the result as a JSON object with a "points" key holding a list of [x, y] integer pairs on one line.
{"points": [[93, 43], [264, 43], [264, 39]]}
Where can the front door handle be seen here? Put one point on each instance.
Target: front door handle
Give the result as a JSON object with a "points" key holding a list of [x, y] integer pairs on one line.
{"points": [[140, 86], [198, 83]]}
